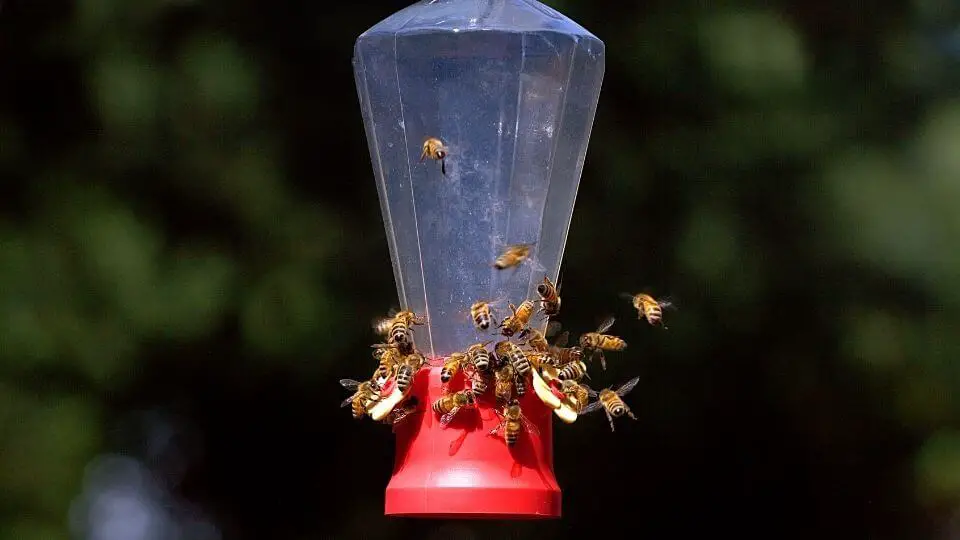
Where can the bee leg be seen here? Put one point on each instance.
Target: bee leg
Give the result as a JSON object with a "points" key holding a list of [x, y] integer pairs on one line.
{"points": [[603, 361], [443, 167], [423, 155], [610, 419]]}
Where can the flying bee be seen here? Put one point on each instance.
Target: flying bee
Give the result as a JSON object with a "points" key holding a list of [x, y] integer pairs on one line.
{"points": [[480, 356], [611, 401], [513, 422], [504, 379], [450, 368], [405, 410], [649, 307], [434, 148], [365, 393], [579, 393], [549, 298], [513, 255], [514, 355], [482, 313], [448, 405], [573, 371], [519, 319], [594, 343]]}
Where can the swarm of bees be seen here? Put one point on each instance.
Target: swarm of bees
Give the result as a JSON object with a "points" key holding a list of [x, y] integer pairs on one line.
{"points": [[499, 371]]}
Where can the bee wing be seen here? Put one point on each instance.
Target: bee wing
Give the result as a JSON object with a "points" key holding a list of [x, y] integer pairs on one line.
{"points": [[606, 324], [668, 302], [590, 391], [562, 339], [447, 418], [349, 384], [346, 402], [591, 407], [529, 425], [627, 386]]}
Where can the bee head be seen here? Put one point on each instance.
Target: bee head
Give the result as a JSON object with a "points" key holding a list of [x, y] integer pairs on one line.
{"points": [[541, 289]]}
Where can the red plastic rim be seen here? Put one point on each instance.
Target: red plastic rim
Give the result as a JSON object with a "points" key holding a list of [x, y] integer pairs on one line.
{"points": [[463, 472]]}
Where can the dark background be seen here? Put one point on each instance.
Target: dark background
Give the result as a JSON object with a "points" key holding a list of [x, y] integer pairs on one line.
{"points": [[191, 251]]}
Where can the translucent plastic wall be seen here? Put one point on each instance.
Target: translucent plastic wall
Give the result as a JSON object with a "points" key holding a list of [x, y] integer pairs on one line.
{"points": [[510, 87]]}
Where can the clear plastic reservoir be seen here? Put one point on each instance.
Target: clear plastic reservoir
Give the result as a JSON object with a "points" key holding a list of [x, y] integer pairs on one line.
{"points": [[510, 87]]}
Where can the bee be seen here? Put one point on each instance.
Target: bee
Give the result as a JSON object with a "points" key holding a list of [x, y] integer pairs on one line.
{"points": [[448, 405], [387, 356], [480, 356], [563, 355], [519, 320], [574, 371], [512, 422], [482, 314], [452, 366], [549, 298], [611, 402], [514, 355], [649, 307], [365, 393], [594, 343], [434, 148], [520, 385], [513, 255], [535, 340], [405, 373], [503, 383], [579, 393], [478, 382], [405, 410]]}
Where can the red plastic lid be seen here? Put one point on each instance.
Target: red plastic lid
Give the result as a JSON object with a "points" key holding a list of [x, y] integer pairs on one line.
{"points": [[461, 471]]}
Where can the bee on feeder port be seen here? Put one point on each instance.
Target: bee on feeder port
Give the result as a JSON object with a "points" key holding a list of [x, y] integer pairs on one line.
{"points": [[519, 319], [514, 355], [406, 409], [434, 149], [405, 372], [365, 393], [648, 307], [482, 314], [573, 371], [577, 392], [611, 401], [512, 423], [594, 343], [448, 405], [387, 356], [549, 298], [513, 255]]}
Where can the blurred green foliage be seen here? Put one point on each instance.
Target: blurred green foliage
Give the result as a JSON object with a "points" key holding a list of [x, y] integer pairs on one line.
{"points": [[186, 190]]}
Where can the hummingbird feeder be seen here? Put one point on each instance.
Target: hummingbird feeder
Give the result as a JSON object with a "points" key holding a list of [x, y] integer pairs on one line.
{"points": [[477, 115]]}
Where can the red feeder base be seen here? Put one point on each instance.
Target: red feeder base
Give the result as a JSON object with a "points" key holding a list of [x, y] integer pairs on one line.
{"points": [[462, 472]]}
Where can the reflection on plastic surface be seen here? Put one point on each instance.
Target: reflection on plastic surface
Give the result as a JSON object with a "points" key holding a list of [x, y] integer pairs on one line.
{"points": [[510, 87]]}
